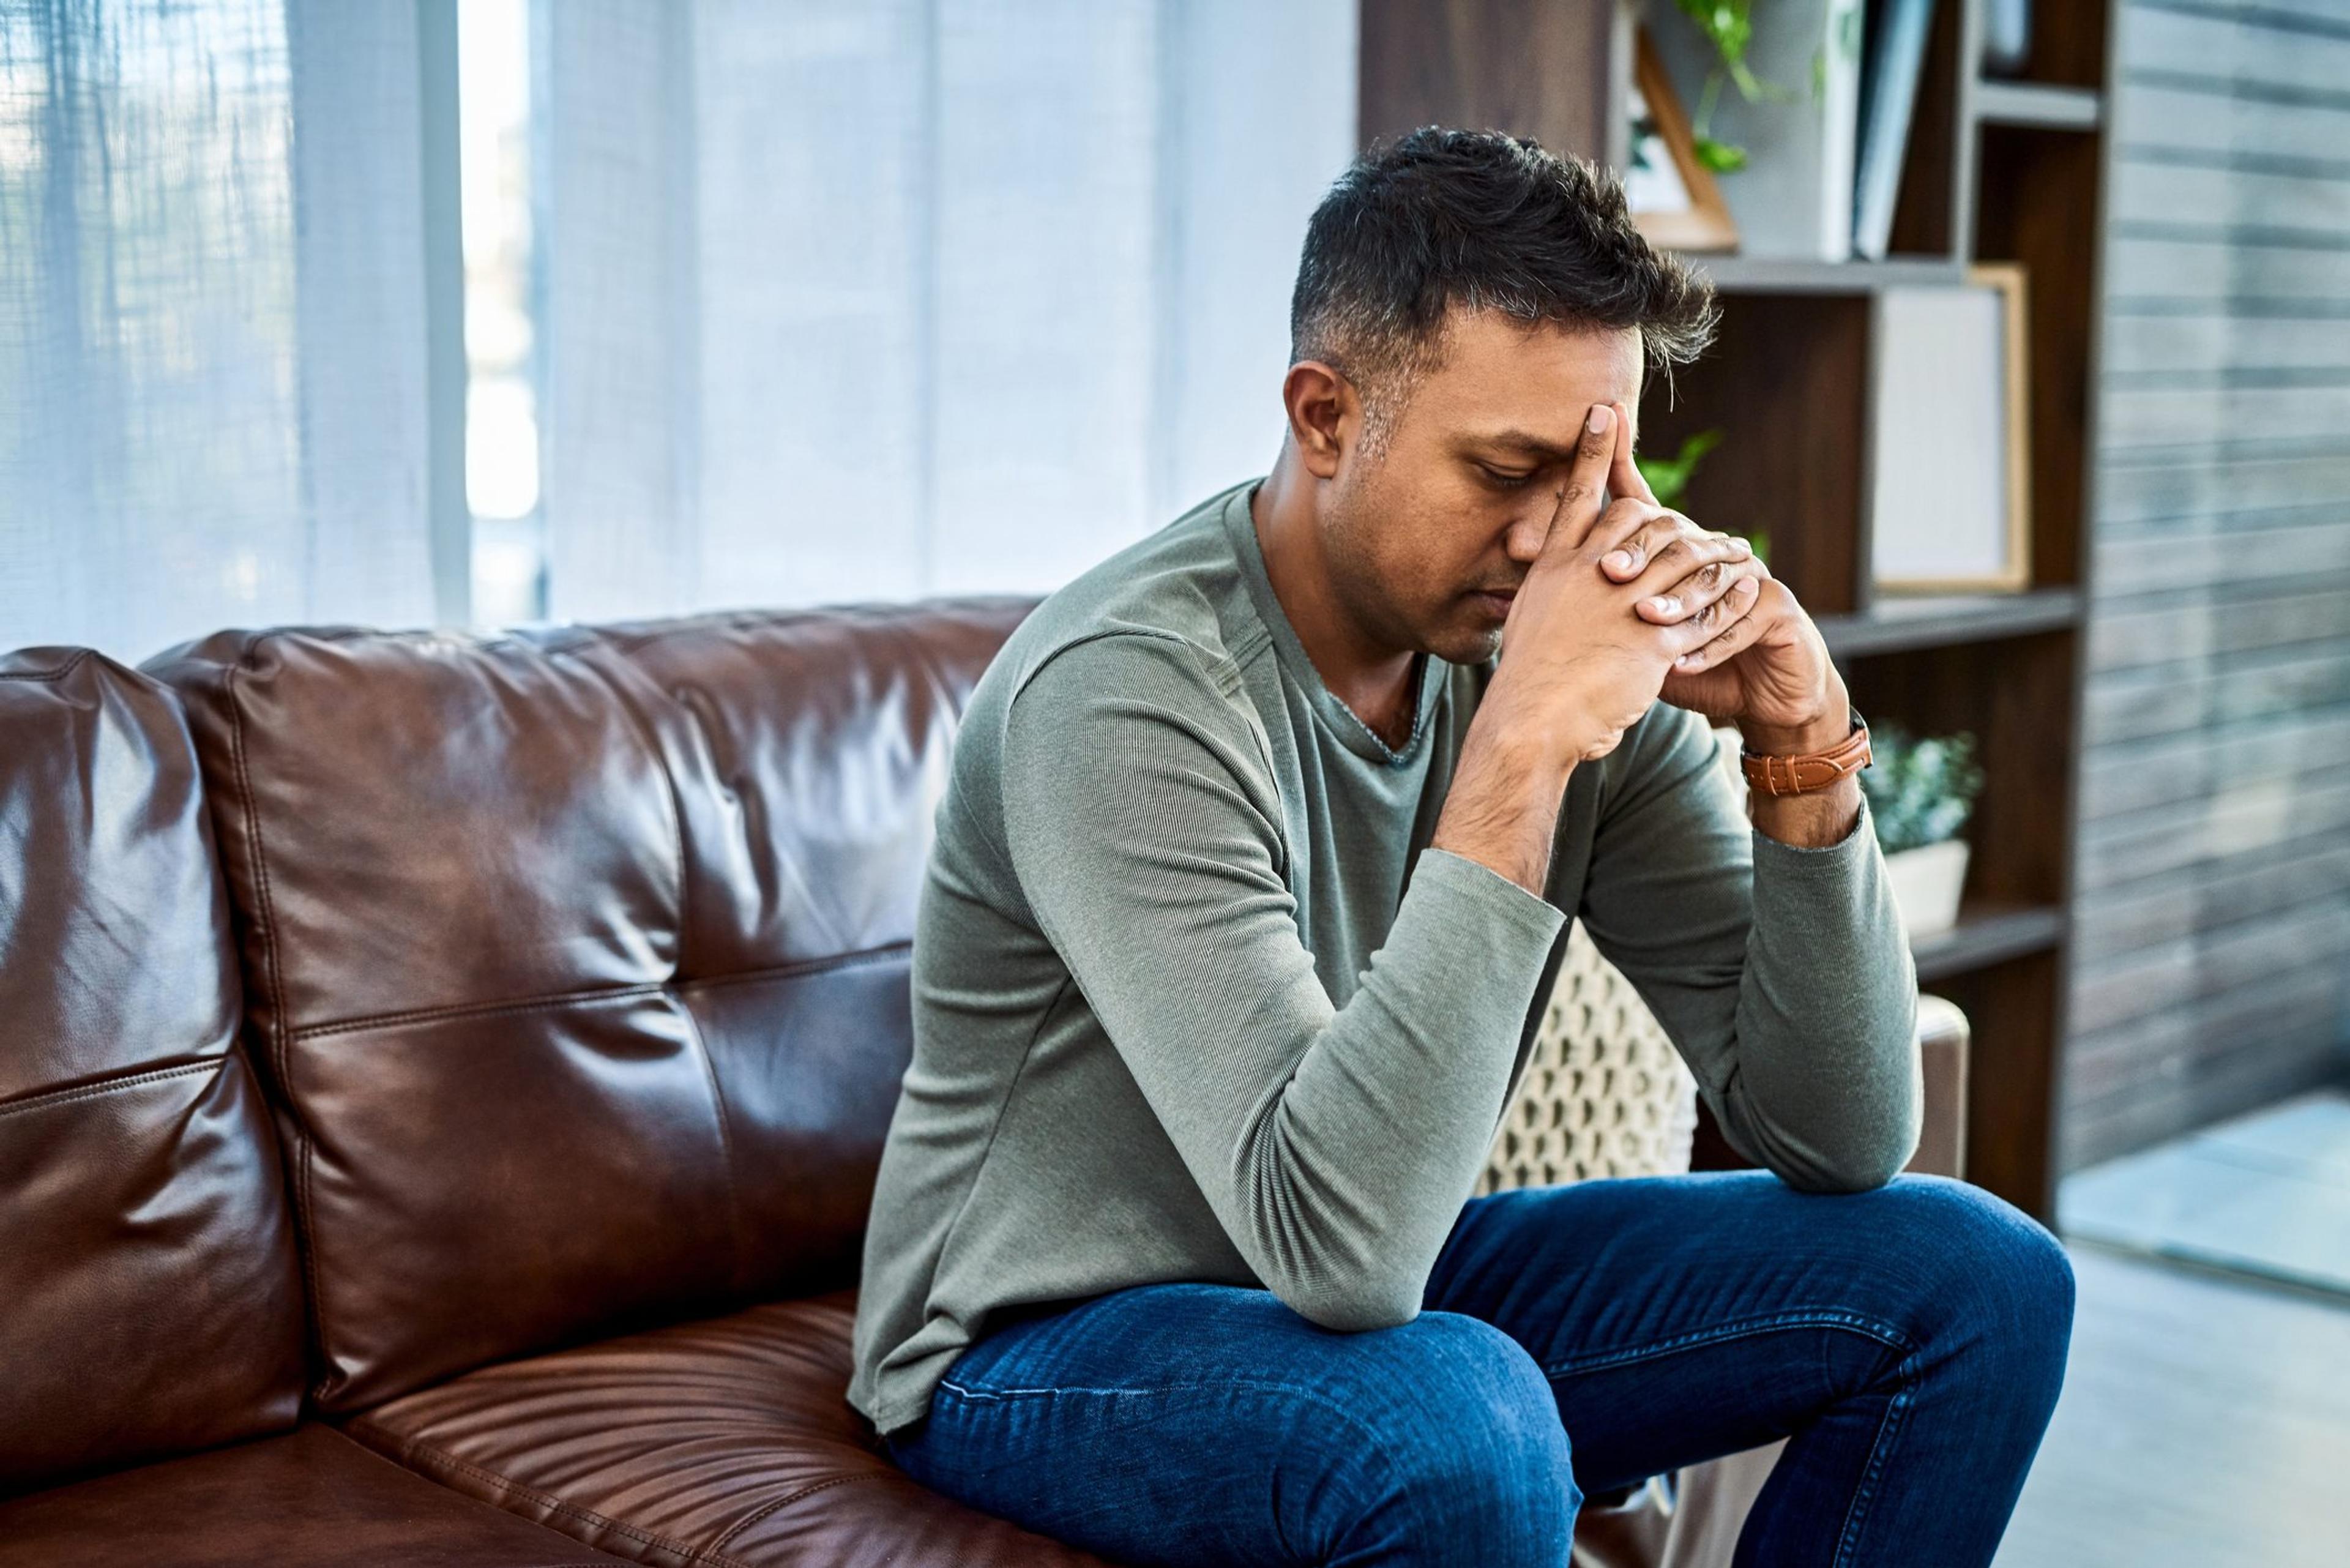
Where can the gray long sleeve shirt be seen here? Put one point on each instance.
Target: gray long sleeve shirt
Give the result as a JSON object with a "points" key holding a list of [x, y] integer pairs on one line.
{"points": [[1193, 999]]}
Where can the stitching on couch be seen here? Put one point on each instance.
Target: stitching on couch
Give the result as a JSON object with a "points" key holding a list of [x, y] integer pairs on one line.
{"points": [[414, 1451], [737, 1223], [108, 1086], [648, 736], [59, 673], [305, 1241], [590, 998], [480, 1010], [763, 1510]]}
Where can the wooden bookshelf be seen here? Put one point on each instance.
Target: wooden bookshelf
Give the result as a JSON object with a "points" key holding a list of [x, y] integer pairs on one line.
{"points": [[1994, 170]]}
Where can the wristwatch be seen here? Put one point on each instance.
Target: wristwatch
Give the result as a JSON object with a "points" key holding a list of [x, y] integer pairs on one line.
{"points": [[1774, 774]]}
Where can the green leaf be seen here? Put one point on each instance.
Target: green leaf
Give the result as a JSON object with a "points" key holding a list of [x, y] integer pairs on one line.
{"points": [[1669, 477], [1719, 156]]}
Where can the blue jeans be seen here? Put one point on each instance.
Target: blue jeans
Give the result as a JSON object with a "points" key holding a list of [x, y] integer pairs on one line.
{"points": [[1909, 1341]]}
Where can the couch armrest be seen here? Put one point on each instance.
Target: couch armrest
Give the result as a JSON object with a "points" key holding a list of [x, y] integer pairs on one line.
{"points": [[1942, 1036]]}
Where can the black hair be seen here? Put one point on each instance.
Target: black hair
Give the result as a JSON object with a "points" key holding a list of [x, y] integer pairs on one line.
{"points": [[1489, 222]]}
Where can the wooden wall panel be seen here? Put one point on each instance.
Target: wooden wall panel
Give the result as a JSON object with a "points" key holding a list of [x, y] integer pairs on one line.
{"points": [[2211, 919], [1490, 65]]}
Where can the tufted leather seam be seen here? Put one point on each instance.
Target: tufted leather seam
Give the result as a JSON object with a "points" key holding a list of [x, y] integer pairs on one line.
{"points": [[413, 1450], [481, 1010], [737, 1222], [49, 1097], [281, 1047], [592, 998], [59, 673], [764, 1509]]}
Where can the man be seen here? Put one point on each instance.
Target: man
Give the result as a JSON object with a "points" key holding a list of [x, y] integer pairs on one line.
{"points": [[1257, 852]]}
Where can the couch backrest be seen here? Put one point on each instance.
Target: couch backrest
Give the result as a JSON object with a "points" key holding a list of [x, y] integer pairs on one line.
{"points": [[579, 957], [148, 1291]]}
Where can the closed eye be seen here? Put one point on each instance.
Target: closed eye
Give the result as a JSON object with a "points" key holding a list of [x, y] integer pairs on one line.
{"points": [[1506, 479]]}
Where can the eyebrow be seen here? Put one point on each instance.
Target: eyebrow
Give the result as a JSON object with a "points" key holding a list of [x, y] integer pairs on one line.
{"points": [[1527, 444]]}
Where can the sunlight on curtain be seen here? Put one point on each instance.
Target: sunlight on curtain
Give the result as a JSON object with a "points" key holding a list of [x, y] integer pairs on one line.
{"points": [[211, 339], [870, 298]]}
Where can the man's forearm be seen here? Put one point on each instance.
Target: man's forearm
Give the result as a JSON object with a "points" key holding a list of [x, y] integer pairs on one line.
{"points": [[1501, 810]]}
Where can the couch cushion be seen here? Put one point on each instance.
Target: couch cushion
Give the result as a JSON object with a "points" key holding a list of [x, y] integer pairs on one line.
{"points": [[721, 1442], [310, 1499], [150, 1300], [579, 957]]}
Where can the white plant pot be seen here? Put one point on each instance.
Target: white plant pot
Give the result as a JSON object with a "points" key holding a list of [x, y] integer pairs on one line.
{"points": [[1925, 883]]}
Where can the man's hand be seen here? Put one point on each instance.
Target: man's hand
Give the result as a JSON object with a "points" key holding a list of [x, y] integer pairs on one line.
{"points": [[1768, 672], [1578, 668], [1578, 662]]}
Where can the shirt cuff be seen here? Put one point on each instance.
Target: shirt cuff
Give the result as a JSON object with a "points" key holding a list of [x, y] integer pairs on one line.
{"points": [[1475, 885]]}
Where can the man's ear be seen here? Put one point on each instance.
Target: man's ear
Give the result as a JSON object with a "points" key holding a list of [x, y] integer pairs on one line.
{"points": [[1325, 415]]}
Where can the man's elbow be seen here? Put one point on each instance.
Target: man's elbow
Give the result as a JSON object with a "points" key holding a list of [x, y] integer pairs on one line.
{"points": [[1355, 1305], [1860, 1166]]}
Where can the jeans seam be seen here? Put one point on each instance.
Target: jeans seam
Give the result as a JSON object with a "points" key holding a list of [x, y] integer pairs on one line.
{"points": [[1258, 1384], [1888, 1430], [1884, 1333]]}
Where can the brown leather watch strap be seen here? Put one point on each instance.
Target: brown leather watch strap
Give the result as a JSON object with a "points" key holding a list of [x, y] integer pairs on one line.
{"points": [[1811, 771]]}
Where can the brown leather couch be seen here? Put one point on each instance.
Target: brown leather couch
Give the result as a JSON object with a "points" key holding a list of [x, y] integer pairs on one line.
{"points": [[440, 1086], [441, 1083]]}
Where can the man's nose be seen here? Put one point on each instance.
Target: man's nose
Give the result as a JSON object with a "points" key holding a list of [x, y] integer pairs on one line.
{"points": [[1523, 540]]}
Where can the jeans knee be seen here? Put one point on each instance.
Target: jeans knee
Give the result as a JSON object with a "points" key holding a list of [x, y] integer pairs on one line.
{"points": [[1997, 1274], [1477, 1452]]}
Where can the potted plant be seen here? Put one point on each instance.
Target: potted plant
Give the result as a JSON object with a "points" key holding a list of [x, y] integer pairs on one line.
{"points": [[1920, 792]]}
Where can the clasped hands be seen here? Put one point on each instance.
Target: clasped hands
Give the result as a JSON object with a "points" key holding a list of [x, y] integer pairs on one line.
{"points": [[1660, 607]]}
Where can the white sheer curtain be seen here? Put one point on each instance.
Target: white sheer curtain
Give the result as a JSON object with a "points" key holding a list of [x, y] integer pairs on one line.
{"points": [[212, 341], [870, 298]]}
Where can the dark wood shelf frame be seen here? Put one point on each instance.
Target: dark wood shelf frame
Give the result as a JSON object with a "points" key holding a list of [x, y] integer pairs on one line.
{"points": [[1986, 935], [1892, 625], [2039, 105], [1994, 170]]}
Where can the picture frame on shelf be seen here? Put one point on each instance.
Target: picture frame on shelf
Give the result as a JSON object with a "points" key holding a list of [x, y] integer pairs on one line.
{"points": [[1674, 200], [1952, 382]]}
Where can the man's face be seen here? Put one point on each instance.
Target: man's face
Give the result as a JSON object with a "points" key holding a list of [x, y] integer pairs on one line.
{"points": [[1457, 506]]}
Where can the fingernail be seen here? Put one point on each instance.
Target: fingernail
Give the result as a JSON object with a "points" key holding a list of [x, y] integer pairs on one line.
{"points": [[1743, 546], [1600, 416], [1621, 560], [1664, 604], [1682, 662]]}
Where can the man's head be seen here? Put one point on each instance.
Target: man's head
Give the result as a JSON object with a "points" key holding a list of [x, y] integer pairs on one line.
{"points": [[1464, 297]]}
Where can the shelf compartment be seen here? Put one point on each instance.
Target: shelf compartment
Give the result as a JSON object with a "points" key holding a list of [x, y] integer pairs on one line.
{"points": [[1893, 625], [1987, 933], [2014, 695], [2031, 188], [2068, 44], [1787, 383]]}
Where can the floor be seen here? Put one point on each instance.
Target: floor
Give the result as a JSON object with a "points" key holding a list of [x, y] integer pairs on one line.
{"points": [[2205, 1415], [2265, 1194]]}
